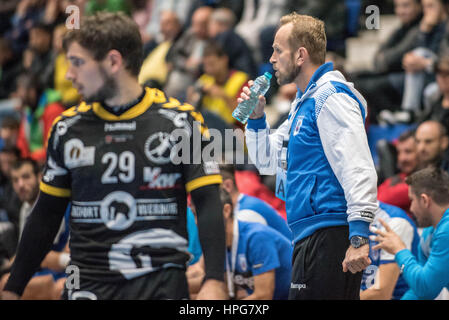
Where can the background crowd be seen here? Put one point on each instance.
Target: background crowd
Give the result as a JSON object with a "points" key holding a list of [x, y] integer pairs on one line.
{"points": [[204, 52]]}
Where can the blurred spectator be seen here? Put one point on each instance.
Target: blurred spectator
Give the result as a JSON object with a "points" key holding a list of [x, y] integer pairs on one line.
{"points": [[394, 190], [9, 130], [432, 144], [38, 57], [260, 267], [252, 209], [7, 8], [185, 57], [153, 15], [93, 6], [333, 13], [220, 86], [39, 110], [383, 87], [27, 14], [154, 68], [26, 177], [437, 104], [69, 94], [10, 66], [256, 15], [419, 62], [382, 279], [221, 24], [9, 201]]}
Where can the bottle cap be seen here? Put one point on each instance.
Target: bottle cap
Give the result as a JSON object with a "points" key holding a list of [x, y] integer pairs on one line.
{"points": [[268, 75]]}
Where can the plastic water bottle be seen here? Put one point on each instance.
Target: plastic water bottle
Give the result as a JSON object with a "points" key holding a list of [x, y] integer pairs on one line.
{"points": [[246, 107]]}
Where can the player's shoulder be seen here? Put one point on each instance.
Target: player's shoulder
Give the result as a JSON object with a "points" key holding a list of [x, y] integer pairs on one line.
{"points": [[176, 110], [70, 116]]}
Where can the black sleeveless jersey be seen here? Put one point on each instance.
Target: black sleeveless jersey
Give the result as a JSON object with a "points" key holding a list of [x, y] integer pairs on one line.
{"points": [[128, 177]]}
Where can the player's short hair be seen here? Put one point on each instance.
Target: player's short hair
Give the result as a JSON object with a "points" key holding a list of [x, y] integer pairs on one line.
{"points": [[307, 32], [106, 31], [432, 181], [227, 171]]}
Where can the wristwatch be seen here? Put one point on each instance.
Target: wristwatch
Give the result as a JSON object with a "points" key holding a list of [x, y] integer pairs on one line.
{"points": [[358, 241]]}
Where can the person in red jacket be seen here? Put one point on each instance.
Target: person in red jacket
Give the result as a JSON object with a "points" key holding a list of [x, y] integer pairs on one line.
{"points": [[394, 190], [39, 109]]}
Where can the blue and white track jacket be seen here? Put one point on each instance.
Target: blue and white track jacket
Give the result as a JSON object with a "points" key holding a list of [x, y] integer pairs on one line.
{"points": [[331, 179]]}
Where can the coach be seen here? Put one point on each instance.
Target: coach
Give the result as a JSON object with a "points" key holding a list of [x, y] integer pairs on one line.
{"points": [[323, 166]]}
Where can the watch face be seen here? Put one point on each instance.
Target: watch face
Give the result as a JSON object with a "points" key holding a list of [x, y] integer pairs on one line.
{"points": [[358, 241], [355, 242]]}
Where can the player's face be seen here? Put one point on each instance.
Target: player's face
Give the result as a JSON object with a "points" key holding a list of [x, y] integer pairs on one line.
{"points": [[88, 76], [25, 183], [283, 58], [418, 209]]}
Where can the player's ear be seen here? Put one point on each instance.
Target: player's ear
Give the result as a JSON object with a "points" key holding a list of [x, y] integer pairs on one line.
{"points": [[114, 60], [227, 210]]}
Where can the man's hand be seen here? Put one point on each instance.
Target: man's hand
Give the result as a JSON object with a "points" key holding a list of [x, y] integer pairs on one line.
{"points": [[356, 259], [8, 295], [414, 63], [388, 239], [212, 290], [259, 109]]}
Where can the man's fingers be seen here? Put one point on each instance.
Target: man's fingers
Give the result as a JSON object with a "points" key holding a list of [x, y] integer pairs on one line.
{"points": [[378, 231], [386, 226]]}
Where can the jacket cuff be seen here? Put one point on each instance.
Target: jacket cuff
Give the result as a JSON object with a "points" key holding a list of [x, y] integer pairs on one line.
{"points": [[402, 256], [257, 124], [359, 228]]}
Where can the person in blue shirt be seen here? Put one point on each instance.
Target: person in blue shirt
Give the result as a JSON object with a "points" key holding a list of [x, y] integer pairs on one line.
{"points": [[428, 274], [258, 259], [252, 209], [382, 279]]}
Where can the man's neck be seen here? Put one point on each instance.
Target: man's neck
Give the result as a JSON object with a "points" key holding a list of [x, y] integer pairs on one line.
{"points": [[304, 77], [437, 214], [127, 92]]}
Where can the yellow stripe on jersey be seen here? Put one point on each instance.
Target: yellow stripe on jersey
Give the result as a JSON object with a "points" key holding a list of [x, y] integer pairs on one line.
{"points": [[132, 113], [203, 181], [53, 191]]}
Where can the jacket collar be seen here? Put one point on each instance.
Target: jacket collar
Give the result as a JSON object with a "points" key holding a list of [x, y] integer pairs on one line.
{"points": [[324, 68]]}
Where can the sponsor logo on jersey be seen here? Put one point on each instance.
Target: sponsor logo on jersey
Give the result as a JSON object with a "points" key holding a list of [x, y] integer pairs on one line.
{"points": [[61, 128], [120, 126], [53, 170], [117, 138], [158, 147], [119, 210], [211, 167], [158, 180], [179, 119], [77, 155]]}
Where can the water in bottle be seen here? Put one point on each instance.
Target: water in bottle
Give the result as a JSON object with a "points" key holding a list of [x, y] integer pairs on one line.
{"points": [[246, 107]]}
